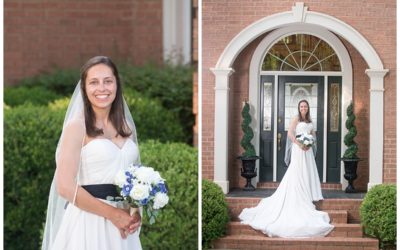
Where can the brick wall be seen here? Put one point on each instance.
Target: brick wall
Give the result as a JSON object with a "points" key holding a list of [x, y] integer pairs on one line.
{"points": [[43, 35], [222, 20]]}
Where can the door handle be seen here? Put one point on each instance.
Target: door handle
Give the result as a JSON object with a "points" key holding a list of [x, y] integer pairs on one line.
{"points": [[279, 141]]}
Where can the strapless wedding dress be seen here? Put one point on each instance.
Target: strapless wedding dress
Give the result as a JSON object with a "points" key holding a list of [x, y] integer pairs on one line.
{"points": [[80, 230], [290, 212]]}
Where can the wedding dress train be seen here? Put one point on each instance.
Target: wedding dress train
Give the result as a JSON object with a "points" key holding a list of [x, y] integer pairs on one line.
{"points": [[289, 212]]}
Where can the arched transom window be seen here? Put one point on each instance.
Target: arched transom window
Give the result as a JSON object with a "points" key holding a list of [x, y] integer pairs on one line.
{"points": [[301, 52]]}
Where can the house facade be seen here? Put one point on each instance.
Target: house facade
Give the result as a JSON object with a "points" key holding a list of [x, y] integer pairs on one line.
{"points": [[273, 54]]}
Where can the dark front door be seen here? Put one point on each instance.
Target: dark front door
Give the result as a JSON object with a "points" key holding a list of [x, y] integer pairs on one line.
{"points": [[291, 89]]}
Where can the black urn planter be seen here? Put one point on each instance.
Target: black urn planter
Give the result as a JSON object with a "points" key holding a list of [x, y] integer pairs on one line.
{"points": [[350, 169], [249, 170]]}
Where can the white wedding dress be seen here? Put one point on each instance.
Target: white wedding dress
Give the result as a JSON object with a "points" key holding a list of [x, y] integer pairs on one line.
{"points": [[289, 212], [81, 230]]}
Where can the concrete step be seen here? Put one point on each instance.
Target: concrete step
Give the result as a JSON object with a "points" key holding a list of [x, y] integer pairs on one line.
{"points": [[322, 243], [340, 230], [335, 207]]}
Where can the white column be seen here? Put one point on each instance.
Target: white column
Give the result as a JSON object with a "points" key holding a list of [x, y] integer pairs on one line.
{"points": [[376, 125], [221, 127], [177, 31]]}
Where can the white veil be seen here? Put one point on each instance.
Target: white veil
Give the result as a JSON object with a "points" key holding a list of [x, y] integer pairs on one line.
{"points": [[56, 203]]}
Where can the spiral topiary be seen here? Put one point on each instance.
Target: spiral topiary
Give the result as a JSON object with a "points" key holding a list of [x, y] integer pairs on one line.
{"points": [[352, 148], [247, 132], [378, 214]]}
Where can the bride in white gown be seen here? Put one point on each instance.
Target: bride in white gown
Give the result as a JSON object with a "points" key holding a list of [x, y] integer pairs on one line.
{"points": [[290, 212], [97, 140]]}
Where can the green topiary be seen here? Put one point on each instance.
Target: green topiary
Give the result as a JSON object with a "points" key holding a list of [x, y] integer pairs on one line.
{"points": [[176, 227], [378, 213], [214, 213], [248, 134], [352, 148]]}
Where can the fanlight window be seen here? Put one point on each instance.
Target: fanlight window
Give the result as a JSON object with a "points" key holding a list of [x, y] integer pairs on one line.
{"points": [[301, 52]]}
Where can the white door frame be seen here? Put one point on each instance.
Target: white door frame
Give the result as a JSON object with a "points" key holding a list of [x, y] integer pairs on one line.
{"points": [[298, 14]]}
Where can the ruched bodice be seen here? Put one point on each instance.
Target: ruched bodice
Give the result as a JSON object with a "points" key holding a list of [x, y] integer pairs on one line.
{"points": [[101, 160], [303, 127]]}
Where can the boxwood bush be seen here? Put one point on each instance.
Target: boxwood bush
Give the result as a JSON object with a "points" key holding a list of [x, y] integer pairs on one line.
{"points": [[214, 213], [37, 95], [171, 85], [176, 225], [30, 139], [378, 213]]}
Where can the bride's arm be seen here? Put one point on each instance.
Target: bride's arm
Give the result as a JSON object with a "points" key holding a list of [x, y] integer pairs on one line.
{"points": [[292, 131], [67, 168]]}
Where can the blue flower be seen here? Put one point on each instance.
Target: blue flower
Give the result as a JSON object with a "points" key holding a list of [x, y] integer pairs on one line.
{"points": [[153, 191], [126, 189], [163, 188], [144, 201]]}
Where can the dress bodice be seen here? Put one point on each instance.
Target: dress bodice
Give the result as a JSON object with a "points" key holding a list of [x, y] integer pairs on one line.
{"points": [[303, 127], [102, 159]]}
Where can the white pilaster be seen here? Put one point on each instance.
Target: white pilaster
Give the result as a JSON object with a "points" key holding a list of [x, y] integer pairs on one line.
{"points": [[177, 31], [376, 125], [221, 127]]}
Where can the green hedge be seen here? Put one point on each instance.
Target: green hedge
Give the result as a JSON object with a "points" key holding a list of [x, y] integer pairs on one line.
{"points": [[214, 213], [378, 213], [171, 85], [30, 138], [38, 95], [176, 225]]}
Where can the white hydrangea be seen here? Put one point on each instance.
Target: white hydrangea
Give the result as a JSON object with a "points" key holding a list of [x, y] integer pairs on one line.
{"points": [[160, 200], [140, 192], [120, 178], [147, 175]]}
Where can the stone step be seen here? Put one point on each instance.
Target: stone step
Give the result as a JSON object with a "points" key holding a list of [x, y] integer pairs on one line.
{"points": [[340, 230], [349, 206], [322, 243]]}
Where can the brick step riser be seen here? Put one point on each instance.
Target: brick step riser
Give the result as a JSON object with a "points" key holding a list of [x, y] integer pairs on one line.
{"points": [[324, 186], [339, 231]]}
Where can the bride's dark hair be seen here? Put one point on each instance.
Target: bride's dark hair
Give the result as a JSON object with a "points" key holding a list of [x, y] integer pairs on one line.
{"points": [[116, 116], [307, 119]]}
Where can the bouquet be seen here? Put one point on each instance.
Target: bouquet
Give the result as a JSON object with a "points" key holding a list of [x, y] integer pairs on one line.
{"points": [[306, 140], [142, 186]]}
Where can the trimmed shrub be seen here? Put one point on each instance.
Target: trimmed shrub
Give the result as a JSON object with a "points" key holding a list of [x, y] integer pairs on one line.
{"points": [[38, 95], [30, 140], [176, 225], [60, 81], [171, 85], [152, 120], [214, 213], [378, 213]]}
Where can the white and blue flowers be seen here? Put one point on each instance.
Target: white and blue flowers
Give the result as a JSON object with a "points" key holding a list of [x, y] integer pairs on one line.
{"points": [[306, 139], [143, 186]]}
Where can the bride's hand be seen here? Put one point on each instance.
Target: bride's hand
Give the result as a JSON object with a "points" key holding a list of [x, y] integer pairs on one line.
{"points": [[137, 221], [122, 220]]}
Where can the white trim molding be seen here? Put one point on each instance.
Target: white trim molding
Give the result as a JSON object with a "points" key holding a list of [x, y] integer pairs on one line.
{"points": [[299, 14], [376, 125], [221, 127], [177, 31]]}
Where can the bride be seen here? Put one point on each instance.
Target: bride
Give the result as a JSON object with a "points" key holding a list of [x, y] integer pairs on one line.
{"points": [[98, 139], [290, 211]]}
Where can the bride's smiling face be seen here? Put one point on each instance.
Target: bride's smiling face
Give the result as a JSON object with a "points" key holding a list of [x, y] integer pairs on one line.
{"points": [[101, 86], [303, 108]]}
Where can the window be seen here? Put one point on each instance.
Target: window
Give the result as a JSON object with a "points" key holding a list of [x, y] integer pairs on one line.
{"points": [[301, 52]]}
